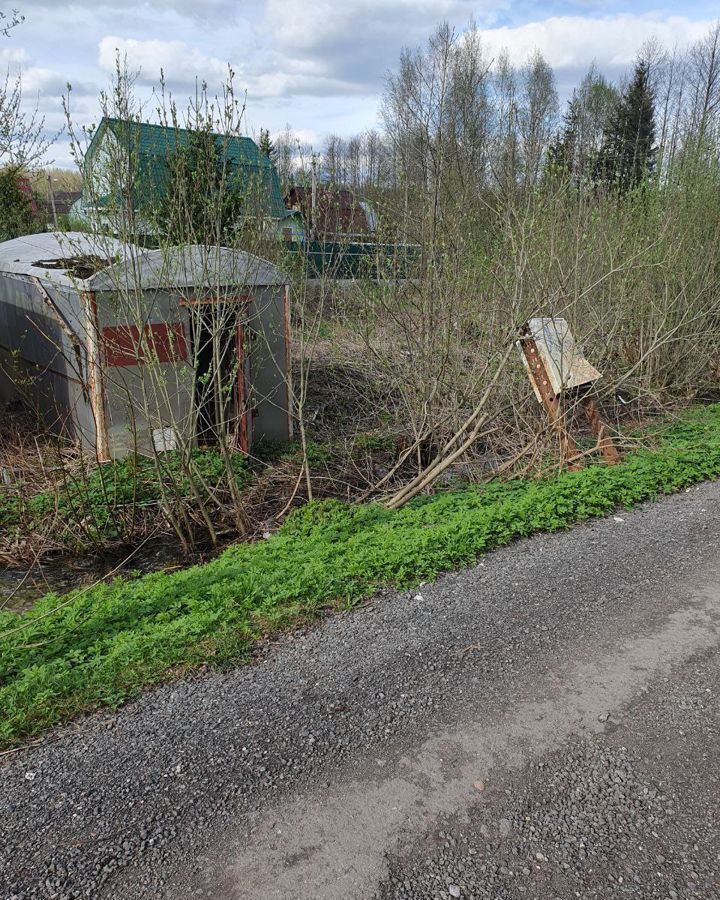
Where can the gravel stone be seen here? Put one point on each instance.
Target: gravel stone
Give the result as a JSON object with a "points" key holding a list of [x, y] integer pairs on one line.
{"points": [[126, 805], [590, 821]]}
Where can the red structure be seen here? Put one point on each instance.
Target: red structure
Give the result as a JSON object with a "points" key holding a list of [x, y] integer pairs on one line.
{"points": [[338, 213]]}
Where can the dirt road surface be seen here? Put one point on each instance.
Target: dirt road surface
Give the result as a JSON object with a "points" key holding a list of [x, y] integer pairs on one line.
{"points": [[544, 725]]}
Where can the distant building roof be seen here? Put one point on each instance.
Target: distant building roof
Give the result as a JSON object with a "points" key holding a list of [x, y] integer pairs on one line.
{"points": [[339, 212], [153, 147], [63, 201]]}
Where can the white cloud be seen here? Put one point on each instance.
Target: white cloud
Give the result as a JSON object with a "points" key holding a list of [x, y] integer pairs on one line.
{"points": [[13, 58], [182, 65], [358, 40], [52, 84], [305, 26], [180, 62], [197, 9], [577, 41], [318, 64], [304, 49]]}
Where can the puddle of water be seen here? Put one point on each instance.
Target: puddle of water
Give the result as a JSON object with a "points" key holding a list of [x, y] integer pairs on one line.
{"points": [[20, 588]]}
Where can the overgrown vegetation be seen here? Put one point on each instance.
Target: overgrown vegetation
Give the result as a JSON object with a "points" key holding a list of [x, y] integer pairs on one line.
{"points": [[98, 647], [608, 218], [18, 211], [102, 504]]}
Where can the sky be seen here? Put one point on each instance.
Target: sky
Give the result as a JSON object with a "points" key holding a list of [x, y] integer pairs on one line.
{"points": [[317, 65]]}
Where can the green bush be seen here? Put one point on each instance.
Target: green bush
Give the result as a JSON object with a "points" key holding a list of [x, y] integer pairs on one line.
{"points": [[100, 646], [17, 215]]}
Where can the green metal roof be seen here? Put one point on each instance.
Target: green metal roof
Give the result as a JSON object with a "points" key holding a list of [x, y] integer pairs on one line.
{"points": [[154, 145]]}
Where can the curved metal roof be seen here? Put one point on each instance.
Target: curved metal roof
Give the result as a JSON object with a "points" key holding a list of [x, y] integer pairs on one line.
{"points": [[250, 172], [99, 263]]}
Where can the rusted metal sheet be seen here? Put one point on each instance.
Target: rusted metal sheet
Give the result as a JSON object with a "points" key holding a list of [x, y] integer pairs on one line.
{"points": [[166, 342], [599, 429], [540, 381], [555, 367]]}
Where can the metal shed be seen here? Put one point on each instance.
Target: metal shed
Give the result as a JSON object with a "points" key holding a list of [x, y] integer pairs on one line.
{"points": [[133, 350]]}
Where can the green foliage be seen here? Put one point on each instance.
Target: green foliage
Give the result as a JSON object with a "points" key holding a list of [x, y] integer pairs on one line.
{"points": [[17, 216], [101, 646], [365, 442], [205, 196], [574, 150], [266, 146], [102, 499], [628, 153]]}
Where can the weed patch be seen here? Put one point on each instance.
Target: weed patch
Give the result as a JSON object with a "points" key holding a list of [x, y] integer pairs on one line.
{"points": [[104, 502]]}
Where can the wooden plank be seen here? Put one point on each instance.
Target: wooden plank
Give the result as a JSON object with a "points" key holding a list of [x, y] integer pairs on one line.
{"points": [[605, 442]]}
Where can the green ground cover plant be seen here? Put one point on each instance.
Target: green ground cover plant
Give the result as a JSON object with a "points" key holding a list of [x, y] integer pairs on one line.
{"points": [[101, 646]]}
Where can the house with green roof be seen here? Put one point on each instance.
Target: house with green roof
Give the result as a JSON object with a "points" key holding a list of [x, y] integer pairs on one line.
{"points": [[135, 161]]}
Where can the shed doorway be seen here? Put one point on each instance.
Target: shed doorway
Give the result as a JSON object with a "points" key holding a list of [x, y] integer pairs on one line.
{"points": [[218, 340]]}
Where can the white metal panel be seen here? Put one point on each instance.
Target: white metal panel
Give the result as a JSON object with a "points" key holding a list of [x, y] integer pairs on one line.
{"points": [[187, 266], [22, 255], [565, 365]]}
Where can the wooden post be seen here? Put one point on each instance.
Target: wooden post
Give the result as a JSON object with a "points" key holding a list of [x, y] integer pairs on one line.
{"points": [[52, 201], [568, 448], [575, 381], [95, 376], [599, 429]]}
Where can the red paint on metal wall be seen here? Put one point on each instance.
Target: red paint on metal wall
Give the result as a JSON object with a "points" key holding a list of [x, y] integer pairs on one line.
{"points": [[122, 344], [168, 341]]}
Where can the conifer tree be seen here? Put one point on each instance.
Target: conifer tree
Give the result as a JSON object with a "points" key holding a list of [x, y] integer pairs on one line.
{"points": [[265, 145], [562, 151], [574, 151], [627, 156]]}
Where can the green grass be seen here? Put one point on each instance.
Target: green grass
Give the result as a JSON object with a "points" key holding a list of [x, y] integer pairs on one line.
{"points": [[101, 646]]}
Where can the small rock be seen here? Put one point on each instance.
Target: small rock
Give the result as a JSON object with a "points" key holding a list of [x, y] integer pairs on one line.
{"points": [[479, 786], [603, 717], [454, 890], [505, 827]]}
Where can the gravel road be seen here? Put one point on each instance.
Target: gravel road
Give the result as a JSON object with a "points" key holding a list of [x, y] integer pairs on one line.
{"points": [[543, 725]]}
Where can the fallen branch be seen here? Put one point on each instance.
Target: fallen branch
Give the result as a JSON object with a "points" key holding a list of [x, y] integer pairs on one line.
{"points": [[444, 458]]}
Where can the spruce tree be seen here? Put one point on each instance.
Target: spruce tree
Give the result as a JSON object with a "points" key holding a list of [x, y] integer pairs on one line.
{"points": [[627, 156], [574, 151], [265, 145], [562, 150]]}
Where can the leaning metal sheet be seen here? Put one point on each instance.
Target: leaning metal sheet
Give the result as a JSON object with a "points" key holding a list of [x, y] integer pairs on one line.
{"points": [[565, 366]]}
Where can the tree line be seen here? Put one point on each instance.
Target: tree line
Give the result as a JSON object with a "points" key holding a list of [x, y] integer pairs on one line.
{"points": [[452, 115]]}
